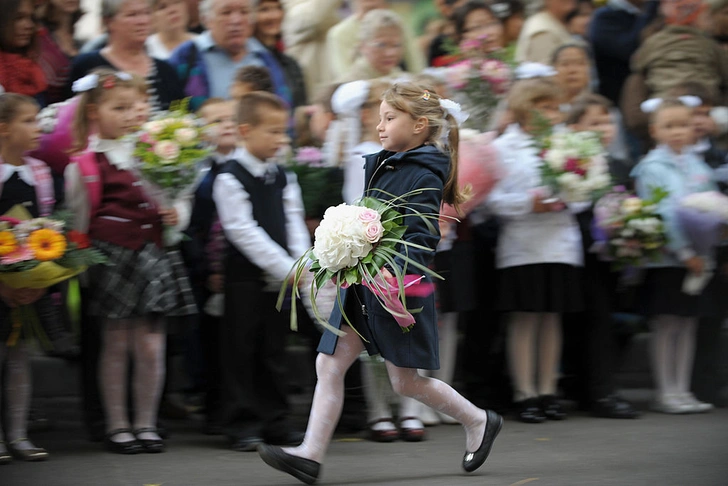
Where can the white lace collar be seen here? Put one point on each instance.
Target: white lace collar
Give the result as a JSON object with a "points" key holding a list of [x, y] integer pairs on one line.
{"points": [[120, 152], [24, 172]]}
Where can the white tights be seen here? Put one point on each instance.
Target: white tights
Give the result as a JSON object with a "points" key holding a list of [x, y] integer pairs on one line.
{"points": [[18, 390], [328, 398], [673, 352], [146, 345], [524, 329]]}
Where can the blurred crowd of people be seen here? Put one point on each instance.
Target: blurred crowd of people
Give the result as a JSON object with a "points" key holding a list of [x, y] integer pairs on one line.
{"points": [[274, 73]]}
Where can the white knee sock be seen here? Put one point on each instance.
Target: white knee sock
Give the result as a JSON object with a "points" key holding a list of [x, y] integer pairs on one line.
{"points": [[376, 391], [18, 392], [443, 398], [665, 329], [148, 344], [522, 330], [113, 365], [549, 353], [685, 353], [328, 397]]}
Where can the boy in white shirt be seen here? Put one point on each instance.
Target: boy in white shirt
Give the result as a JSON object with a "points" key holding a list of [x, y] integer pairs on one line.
{"points": [[262, 215]]}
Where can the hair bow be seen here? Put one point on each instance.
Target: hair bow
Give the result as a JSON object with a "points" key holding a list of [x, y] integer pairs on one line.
{"points": [[455, 110], [91, 81], [651, 105], [350, 97], [530, 70]]}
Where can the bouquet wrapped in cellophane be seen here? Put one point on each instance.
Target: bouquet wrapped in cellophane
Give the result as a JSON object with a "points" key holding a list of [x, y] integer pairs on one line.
{"points": [[629, 229], [703, 217], [39, 253], [169, 148], [353, 243], [478, 82]]}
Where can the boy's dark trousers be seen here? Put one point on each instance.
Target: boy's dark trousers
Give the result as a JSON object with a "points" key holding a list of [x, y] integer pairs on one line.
{"points": [[253, 338]]}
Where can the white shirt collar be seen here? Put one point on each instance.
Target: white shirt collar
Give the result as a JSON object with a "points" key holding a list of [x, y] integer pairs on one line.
{"points": [[252, 164], [24, 172], [120, 152]]}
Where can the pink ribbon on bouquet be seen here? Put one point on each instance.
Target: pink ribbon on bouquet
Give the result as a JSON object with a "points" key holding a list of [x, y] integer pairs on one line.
{"points": [[387, 289]]}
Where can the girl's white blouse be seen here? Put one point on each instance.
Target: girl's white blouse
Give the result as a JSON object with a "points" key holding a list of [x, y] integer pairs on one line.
{"points": [[528, 238]]}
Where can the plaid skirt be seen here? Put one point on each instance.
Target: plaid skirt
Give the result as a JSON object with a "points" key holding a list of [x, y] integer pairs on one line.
{"points": [[139, 283]]}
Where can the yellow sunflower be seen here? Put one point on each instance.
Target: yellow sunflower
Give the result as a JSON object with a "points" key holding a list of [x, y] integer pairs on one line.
{"points": [[47, 244], [8, 244]]}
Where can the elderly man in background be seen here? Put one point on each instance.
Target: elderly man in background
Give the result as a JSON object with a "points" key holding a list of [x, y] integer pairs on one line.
{"points": [[207, 64]]}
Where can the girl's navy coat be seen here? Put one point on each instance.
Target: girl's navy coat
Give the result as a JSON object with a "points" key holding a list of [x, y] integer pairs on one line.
{"points": [[398, 173]]}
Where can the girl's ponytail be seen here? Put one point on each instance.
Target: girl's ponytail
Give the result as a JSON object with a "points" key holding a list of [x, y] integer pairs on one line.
{"points": [[452, 193]]}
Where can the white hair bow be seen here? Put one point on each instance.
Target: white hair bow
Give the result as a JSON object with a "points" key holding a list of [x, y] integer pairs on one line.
{"points": [[651, 105], [349, 98], [455, 110], [91, 81], [530, 70]]}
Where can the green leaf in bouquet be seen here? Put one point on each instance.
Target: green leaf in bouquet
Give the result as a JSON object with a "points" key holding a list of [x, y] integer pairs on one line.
{"points": [[351, 276]]}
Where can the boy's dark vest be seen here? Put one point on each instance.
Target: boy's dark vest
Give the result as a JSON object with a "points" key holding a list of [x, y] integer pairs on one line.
{"points": [[125, 217], [266, 197]]}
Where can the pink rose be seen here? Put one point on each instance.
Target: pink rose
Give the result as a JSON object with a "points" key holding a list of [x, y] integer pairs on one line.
{"points": [[145, 138], [367, 215], [374, 232], [167, 150]]}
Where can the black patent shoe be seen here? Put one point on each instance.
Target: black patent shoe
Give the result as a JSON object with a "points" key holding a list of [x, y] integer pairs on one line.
{"points": [[305, 470], [128, 447], [614, 407], [473, 460], [529, 411], [149, 445], [35, 454], [552, 408]]}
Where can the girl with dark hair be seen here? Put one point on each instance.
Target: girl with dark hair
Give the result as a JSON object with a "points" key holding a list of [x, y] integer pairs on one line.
{"points": [[58, 45], [19, 71]]}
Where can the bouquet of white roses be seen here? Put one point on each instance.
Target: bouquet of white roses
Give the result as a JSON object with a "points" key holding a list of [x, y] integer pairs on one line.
{"points": [[630, 228], [574, 166], [353, 243]]}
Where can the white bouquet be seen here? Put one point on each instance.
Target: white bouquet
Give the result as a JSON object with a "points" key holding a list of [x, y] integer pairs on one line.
{"points": [[574, 166]]}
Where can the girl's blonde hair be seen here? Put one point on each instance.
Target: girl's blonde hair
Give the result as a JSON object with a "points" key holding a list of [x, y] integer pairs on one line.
{"points": [[666, 104], [421, 101], [107, 81], [526, 93]]}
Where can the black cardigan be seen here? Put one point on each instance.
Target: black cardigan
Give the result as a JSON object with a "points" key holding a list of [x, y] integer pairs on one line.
{"points": [[166, 82]]}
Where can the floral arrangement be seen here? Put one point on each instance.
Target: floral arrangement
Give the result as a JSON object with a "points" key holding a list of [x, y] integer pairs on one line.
{"points": [[353, 243], [630, 229], [703, 218], [38, 253], [574, 167], [320, 184], [478, 81], [169, 148]]}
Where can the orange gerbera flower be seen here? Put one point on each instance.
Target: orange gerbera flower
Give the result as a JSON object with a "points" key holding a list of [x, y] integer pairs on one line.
{"points": [[8, 243], [47, 244]]}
